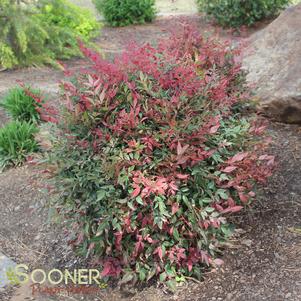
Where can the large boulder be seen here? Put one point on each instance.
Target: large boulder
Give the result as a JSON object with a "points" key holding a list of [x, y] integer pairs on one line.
{"points": [[273, 59]]}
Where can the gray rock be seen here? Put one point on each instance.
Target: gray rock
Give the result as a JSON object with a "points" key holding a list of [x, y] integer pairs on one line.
{"points": [[273, 59]]}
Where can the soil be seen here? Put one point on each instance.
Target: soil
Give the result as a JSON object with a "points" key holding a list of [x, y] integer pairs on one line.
{"points": [[262, 261]]}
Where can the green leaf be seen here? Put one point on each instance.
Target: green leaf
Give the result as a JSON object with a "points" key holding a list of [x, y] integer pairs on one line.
{"points": [[209, 209], [176, 234], [101, 195], [222, 193], [163, 277], [139, 200], [128, 277], [131, 206], [142, 274], [172, 285], [151, 273]]}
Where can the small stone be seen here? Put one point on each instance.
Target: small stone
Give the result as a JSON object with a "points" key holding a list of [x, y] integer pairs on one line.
{"points": [[288, 295], [38, 237], [247, 242], [17, 208]]}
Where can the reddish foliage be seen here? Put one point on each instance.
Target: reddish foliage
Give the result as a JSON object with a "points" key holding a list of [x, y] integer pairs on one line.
{"points": [[160, 122]]}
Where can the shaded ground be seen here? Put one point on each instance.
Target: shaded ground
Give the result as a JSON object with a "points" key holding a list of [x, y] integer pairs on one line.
{"points": [[263, 262]]}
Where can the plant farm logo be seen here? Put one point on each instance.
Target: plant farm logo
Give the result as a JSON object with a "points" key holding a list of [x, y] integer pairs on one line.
{"points": [[77, 281]]}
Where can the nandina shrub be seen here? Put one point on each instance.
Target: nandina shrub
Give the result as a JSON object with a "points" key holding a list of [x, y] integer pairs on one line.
{"points": [[151, 157]]}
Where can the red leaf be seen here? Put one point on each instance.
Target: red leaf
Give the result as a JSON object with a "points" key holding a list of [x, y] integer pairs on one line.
{"points": [[149, 239], [270, 159], [136, 191], [231, 202], [111, 267], [218, 207], [171, 256], [243, 197], [159, 252], [182, 177], [106, 270], [181, 150], [189, 265], [139, 246], [229, 169], [252, 194], [118, 239], [218, 261], [92, 246], [173, 187], [214, 129], [232, 209], [238, 157], [206, 224], [49, 119], [174, 208]]}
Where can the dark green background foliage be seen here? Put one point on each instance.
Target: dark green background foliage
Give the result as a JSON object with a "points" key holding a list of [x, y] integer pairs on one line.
{"points": [[126, 12], [21, 106], [16, 143], [235, 13], [40, 32]]}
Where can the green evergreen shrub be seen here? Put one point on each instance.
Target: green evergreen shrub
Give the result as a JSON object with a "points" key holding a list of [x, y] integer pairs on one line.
{"points": [[126, 12], [235, 13], [39, 32]]}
